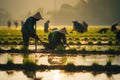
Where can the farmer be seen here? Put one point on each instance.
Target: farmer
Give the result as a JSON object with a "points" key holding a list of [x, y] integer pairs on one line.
{"points": [[118, 36], [57, 38], [113, 27], [46, 26], [28, 29], [78, 27]]}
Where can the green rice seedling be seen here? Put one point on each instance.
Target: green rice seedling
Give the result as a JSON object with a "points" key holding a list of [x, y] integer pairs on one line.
{"points": [[78, 43], [28, 61], [77, 39], [90, 43], [83, 49], [109, 63], [94, 50], [10, 62], [94, 39], [14, 42], [29, 64], [12, 48], [71, 43], [72, 49], [5, 42], [70, 67], [99, 42], [111, 49], [110, 42], [60, 48], [95, 66], [86, 39]]}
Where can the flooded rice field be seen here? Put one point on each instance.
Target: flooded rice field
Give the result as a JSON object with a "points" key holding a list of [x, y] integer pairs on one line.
{"points": [[77, 47], [55, 66], [61, 59]]}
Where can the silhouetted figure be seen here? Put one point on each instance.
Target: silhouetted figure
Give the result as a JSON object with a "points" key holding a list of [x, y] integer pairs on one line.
{"points": [[57, 38], [113, 27], [118, 36], [9, 24], [16, 24], [78, 27], [103, 30], [22, 23], [75, 25], [46, 26], [28, 29], [85, 26]]}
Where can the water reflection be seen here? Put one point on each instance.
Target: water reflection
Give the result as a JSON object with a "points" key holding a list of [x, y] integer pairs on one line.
{"points": [[60, 59], [56, 75], [78, 47]]}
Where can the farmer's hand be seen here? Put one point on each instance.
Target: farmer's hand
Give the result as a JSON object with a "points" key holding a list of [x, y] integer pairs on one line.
{"points": [[67, 45]]}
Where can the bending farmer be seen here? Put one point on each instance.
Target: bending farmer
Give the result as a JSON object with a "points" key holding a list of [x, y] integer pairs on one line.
{"points": [[57, 38]]}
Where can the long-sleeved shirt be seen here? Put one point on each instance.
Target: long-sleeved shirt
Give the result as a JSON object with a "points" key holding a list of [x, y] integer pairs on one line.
{"points": [[57, 38], [28, 27]]}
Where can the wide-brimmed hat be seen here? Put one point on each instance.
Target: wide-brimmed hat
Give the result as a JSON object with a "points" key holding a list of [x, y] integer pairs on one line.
{"points": [[37, 16], [63, 30]]}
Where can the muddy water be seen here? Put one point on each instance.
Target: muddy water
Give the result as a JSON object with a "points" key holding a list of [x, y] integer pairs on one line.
{"points": [[77, 47], [58, 59]]}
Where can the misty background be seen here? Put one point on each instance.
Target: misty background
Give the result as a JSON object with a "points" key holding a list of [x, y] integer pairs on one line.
{"points": [[61, 12]]}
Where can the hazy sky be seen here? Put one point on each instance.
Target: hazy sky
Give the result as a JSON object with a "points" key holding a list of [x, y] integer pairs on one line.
{"points": [[93, 11], [20, 7]]}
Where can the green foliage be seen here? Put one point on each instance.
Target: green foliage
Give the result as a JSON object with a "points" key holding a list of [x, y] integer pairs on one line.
{"points": [[29, 64], [28, 61], [83, 49], [99, 42], [109, 63], [60, 48], [95, 64], [14, 36], [10, 62], [70, 67], [72, 49]]}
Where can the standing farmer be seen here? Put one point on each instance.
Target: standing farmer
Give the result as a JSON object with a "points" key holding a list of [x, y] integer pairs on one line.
{"points": [[118, 36], [46, 26], [28, 29]]}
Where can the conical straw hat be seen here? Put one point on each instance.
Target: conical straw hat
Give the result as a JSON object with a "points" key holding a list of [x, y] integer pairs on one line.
{"points": [[37, 16], [63, 30]]}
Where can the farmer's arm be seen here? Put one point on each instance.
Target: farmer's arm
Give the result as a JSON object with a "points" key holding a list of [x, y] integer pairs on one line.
{"points": [[64, 39], [31, 28]]}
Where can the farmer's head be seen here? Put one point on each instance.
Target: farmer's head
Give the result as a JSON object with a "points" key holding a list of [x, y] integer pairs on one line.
{"points": [[63, 31], [48, 21], [75, 21], [37, 16]]}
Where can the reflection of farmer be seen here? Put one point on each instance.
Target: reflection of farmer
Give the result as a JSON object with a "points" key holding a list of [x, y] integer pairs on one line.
{"points": [[28, 29], [46, 26], [57, 38], [16, 24]]}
